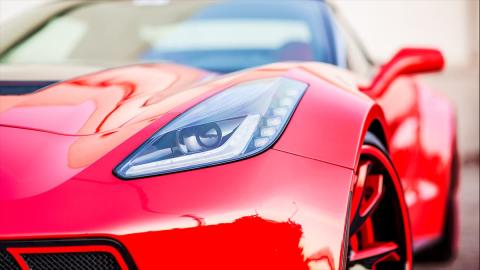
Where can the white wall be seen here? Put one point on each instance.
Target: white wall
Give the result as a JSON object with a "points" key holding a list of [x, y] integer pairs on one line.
{"points": [[385, 26]]}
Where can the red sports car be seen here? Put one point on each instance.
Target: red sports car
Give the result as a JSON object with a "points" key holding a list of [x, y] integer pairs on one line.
{"points": [[264, 139]]}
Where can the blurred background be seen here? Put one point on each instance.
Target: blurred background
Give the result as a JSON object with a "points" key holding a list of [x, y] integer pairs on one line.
{"points": [[452, 26], [384, 27]]}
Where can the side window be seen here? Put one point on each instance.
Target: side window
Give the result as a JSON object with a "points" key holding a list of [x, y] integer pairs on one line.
{"points": [[357, 59]]}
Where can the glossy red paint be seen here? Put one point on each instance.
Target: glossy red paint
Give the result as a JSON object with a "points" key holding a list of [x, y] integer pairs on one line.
{"points": [[104, 101], [406, 61], [422, 144], [286, 208], [153, 214]]}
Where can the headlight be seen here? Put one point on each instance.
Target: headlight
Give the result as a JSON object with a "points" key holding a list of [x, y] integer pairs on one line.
{"points": [[236, 123]]}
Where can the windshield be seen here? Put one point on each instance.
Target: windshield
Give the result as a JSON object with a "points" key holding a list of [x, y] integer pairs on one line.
{"points": [[221, 36]]}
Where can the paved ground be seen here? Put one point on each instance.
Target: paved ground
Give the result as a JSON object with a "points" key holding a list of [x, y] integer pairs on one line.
{"points": [[468, 258]]}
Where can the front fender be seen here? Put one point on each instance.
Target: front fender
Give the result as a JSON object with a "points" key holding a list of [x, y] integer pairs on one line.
{"points": [[332, 119]]}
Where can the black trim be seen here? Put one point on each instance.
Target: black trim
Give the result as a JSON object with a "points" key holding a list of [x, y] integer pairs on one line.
{"points": [[68, 242], [346, 234], [23, 83], [23, 87]]}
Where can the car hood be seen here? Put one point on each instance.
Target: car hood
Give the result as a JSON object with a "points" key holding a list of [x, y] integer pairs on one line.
{"points": [[49, 136], [96, 103], [61, 132]]}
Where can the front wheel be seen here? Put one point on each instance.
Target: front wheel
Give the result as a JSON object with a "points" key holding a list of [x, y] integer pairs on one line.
{"points": [[379, 231]]}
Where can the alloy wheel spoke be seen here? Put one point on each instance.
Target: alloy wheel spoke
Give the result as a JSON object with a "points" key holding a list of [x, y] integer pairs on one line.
{"points": [[366, 196], [379, 252]]}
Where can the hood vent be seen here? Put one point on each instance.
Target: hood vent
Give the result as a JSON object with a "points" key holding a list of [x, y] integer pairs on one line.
{"points": [[21, 88]]}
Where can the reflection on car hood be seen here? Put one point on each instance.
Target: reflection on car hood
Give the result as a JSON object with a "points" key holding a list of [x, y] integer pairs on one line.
{"points": [[95, 103]]}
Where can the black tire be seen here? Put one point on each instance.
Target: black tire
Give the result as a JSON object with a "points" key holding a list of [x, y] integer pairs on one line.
{"points": [[372, 139], [384, 232]]}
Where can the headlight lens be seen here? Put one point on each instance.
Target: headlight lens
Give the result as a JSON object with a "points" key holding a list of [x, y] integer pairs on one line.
{"points": [[236, 123]]}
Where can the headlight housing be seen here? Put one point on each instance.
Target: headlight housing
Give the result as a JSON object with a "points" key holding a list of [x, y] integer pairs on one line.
{"points": [[234, 124]]}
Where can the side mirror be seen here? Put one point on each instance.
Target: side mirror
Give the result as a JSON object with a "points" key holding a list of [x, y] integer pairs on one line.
{"points": [[406, 61]]}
